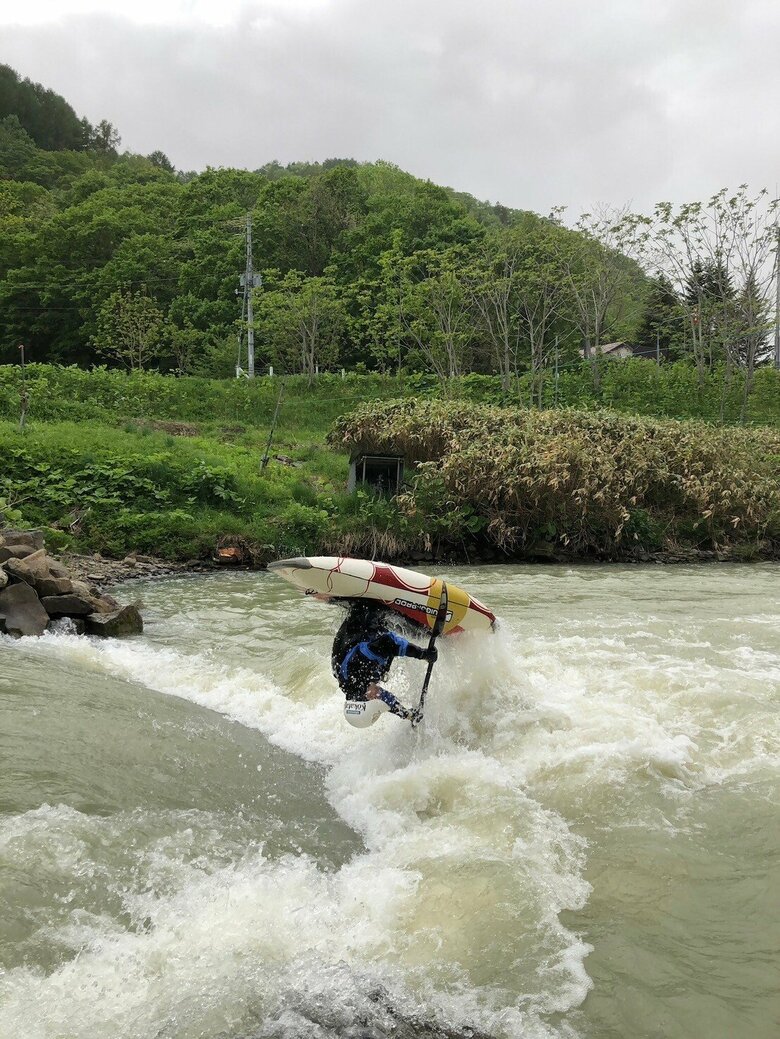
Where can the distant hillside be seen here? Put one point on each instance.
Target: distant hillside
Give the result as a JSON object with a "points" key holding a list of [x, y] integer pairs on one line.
{"points": [[120, 259], [45, 116]]}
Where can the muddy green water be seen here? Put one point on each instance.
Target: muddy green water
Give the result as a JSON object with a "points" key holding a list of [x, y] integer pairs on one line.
{"points": [[583, 841]]}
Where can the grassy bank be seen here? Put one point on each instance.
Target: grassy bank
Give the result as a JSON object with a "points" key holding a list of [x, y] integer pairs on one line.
{"points": [[116, 463], [115, 490], [634, 387], [578, 484]]}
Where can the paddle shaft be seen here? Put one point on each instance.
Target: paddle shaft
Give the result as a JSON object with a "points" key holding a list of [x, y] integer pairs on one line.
{"points": [[441, 618]]}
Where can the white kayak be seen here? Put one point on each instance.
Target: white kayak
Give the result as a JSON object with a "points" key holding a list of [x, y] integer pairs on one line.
{"points": [[409, 593]]}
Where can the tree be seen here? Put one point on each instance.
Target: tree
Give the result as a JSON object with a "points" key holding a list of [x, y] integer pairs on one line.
{"points": [[753, 319], [718, 256], [663, 320], [518, 295], [131, 329], [598, 277], [493, 292], [17, 148], [46, 116], [105, 138], [299, 221], [300, 321], [188, 346], [435, 310], [161, 161]]}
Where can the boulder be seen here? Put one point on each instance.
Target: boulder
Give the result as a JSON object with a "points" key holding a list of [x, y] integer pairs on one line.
{"points": [[56, 569], [101, 603], [34, 588], [15, 552], [21, 611], [18, 569], [66, 605], [25, 568], [124, 621], [32, 539], [35, 570], [53, 586]]}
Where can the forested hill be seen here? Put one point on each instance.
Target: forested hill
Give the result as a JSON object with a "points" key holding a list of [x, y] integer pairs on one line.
{"points": [[362, 263], [47, 119], [119, 259]]}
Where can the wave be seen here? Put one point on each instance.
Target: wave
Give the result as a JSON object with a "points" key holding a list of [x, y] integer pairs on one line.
{"points": [[474, 827]]}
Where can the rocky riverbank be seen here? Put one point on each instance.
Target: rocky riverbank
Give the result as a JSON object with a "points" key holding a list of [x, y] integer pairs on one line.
{"points": [[104, 572], [36, 589]]}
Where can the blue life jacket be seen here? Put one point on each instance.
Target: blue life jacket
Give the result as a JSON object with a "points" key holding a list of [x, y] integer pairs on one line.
{"points": [[364, 648]]}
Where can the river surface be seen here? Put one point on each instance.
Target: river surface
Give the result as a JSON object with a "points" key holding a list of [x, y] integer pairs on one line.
{"points": [[581, 841]]}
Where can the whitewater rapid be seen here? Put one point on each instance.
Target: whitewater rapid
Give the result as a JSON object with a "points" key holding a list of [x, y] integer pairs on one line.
{"points": [[610, 705]]}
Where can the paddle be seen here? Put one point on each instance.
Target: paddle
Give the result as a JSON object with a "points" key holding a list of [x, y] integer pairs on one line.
{"points": [[438, 628]]}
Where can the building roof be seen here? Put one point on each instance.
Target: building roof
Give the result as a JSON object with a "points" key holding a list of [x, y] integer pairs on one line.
{"points": [[615, 349]]}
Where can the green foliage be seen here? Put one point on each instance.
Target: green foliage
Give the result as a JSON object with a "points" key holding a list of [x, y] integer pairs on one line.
{"points": [[165, 465], [8, 514], [644, 529], [591, 482], [663, 322], [111, 396], [118, 490], [130, 328], [299, 322], [48, 119]]}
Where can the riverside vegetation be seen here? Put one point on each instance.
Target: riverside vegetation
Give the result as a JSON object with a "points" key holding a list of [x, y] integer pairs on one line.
{"points": [[485, 322], [116, 463]]}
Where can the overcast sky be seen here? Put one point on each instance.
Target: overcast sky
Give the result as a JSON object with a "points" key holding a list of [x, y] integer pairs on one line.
{"points": [[533, 103]]}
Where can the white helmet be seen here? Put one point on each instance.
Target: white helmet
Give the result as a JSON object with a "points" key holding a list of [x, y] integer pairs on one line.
{"points": [[362, 713]]}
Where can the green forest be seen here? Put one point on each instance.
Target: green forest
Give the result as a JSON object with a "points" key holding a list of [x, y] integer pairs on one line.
{"points": [[123, 426], [118, 259]]}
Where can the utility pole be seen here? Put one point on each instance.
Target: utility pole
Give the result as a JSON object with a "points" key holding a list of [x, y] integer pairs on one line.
{"points": [[777, 298], [250, 281], [250, 317]]}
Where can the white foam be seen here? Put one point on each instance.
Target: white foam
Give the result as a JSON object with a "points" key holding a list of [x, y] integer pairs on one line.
{"points": [[471, 856]]}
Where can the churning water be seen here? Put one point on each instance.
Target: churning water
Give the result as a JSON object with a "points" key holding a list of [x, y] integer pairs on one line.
{"points": [[582, 840]]}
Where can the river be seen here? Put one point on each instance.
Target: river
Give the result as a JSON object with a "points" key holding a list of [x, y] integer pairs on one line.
{"points": [[581, 841]]}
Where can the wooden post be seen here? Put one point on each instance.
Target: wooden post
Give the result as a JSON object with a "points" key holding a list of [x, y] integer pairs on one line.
{"points": [[24, 397]]}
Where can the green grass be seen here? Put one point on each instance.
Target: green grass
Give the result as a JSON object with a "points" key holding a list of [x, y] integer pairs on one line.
{"points": [[116, 462], [171, 496], [229, 408]]}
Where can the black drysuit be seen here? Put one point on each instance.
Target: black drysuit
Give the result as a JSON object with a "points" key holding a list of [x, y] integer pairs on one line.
{"points": [[364, 649]]}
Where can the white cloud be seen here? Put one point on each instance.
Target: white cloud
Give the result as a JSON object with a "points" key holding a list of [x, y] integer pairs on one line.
{"points": [[215, 13], [529, 104]]}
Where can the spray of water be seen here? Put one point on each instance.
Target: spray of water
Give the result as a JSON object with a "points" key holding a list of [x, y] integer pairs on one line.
{"points": [[474, 832]]}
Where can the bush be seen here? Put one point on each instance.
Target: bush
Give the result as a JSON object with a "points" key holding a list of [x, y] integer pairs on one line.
{"points": [[594, 481]]}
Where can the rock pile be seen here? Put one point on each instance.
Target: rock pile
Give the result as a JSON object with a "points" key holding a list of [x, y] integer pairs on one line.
{"points": [[36, 589]]}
